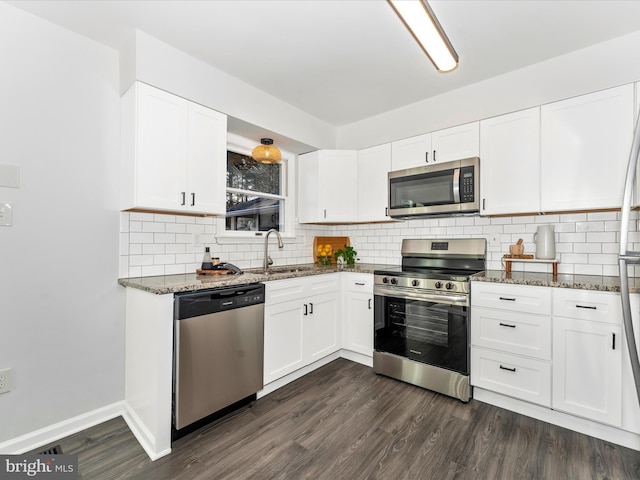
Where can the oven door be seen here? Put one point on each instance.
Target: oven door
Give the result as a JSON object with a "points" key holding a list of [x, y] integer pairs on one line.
{"points": [[431, 328]]}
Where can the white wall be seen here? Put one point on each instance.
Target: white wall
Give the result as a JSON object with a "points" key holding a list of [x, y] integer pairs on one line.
{"points": [[61, 309], [149, 60], [600, 66]]}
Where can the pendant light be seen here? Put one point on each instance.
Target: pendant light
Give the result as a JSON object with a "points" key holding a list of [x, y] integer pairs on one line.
{"points": [[266, 152], [422, 23]]}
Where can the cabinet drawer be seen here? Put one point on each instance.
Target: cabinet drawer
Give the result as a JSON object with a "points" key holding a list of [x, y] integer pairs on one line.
{"points": [[277, 291], [521, 298], [587, 305], [512, 332], [283, 290], [358, 282], [518, 377]]}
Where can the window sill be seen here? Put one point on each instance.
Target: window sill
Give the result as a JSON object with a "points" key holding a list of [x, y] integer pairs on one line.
{"points": [[230, 238]]}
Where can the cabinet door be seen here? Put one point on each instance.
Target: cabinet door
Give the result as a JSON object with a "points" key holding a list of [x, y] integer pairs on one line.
{"points": [[338, 185], [359, 323], [411, 152], [283, 339], [585, 148], [321, 327], [456, 143], [161, 150], [587, 361], [207, 159], [510, 163], [327, 186], [373, 166]]}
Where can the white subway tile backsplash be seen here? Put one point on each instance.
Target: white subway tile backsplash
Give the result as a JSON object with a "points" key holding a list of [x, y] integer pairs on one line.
{"points": [[586, 247], [589, 226], [152, 248], [601, 236], [153, 227], [587, 269], [167, 244], [164, 238], [135, 237]]}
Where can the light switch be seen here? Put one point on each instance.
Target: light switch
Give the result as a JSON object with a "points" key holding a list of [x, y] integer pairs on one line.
{"points": [[6, 215]]}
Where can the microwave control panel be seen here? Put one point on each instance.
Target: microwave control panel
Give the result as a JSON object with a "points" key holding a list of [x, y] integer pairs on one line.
{"points": [[466, 185]]}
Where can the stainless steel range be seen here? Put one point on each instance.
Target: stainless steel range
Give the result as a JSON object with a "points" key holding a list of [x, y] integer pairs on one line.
{"points": [[422, 313]]}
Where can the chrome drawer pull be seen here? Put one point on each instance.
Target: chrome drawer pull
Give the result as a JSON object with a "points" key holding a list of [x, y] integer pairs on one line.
{"points": [[508, 299], [587, 306], [507, 368], [507, 325]]}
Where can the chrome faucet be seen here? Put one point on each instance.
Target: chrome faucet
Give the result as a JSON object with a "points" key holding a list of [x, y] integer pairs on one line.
{"points": [[267, 259]]}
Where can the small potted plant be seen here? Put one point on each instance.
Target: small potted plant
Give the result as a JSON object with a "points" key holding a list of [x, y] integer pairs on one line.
{"points": [[348, 255]]}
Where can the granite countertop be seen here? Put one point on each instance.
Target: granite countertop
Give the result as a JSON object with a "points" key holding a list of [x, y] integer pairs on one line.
{"points": [[187, 282], [582, 282]]}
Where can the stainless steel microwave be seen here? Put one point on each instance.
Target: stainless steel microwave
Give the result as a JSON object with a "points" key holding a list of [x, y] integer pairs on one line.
{"points": [[438, 189]]}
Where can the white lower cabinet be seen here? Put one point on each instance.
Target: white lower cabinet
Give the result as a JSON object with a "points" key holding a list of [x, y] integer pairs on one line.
{"points": [[358, 313], [570, 355], [301, 323], [510, 346], [587, 355]]}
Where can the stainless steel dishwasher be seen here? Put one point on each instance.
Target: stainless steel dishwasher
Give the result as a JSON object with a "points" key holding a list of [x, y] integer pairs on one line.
{"points": [[218, 356]]}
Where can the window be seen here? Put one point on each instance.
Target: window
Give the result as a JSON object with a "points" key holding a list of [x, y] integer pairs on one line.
{"points": [[257, 198]]}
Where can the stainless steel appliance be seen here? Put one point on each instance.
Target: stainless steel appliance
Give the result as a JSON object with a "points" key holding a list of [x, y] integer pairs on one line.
{"points": [[218, 357], [629, 257], [438, 189], [422, 313]]}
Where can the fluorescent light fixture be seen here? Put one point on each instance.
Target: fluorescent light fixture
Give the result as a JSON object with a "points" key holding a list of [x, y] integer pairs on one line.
{"points": [[425, 28]]}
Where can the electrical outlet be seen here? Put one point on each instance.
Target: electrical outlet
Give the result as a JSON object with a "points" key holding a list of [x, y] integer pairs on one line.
{"points": [[494, 240], [5, 380]]}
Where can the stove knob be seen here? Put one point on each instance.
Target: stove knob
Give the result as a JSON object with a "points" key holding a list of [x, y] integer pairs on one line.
{"points": [[415, 283], [450, 286], [438, 284], [394, 281], [385, 280]]}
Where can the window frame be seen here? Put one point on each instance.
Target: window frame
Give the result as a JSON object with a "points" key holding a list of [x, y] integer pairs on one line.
{"points": [[244, 146]]}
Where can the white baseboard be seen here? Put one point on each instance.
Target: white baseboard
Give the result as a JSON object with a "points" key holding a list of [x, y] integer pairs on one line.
{"points": [[365, 360], [52, 433], [144, 437]]}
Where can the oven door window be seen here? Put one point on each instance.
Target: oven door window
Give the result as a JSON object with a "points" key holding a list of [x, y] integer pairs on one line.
{"points": [[427, 332]]}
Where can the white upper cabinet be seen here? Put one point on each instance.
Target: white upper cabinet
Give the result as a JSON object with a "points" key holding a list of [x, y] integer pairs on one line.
{"points": [[585, 148], [411, 152], [510, 163], [373, 165], [173, 153], [455, 143], [327, 186]]}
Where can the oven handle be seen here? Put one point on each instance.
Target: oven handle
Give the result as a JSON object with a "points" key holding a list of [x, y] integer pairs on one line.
{"points": [[446, 298]]}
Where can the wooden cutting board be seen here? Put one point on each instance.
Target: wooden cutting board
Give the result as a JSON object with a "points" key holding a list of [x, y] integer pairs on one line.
{"points": [[213, 272], [336, 244]]}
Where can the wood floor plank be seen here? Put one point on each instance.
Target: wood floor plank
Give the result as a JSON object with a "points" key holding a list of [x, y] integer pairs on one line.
{"points": [[343, 421]]}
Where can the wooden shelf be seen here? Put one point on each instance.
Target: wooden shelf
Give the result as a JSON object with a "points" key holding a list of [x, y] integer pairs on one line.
{"points": [[509, 260]]}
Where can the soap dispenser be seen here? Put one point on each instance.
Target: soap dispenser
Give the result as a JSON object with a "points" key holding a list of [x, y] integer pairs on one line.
{"points": [[207, 263]]}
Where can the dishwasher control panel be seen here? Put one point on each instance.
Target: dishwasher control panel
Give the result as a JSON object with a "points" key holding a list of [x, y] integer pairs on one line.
{"points": [[204, 302]]}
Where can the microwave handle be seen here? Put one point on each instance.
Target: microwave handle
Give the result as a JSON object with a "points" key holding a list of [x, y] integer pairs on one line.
{"points": [[456, 185]]}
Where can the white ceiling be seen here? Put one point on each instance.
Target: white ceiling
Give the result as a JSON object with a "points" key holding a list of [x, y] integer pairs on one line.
{"points": [[345, 60]]}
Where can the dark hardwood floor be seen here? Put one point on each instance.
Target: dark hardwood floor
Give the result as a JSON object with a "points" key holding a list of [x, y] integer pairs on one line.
{"points": [[345, 422]]}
